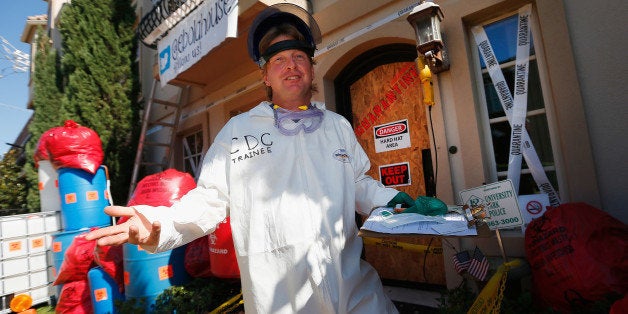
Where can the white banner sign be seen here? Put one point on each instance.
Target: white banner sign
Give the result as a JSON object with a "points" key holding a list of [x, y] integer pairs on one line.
{"points": [[500, 202], [205, 28], [391, 136]]}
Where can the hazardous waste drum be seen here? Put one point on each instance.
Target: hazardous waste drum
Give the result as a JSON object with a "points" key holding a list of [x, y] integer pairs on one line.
{"points": [[104, 291], [83, 198], [148, 275], [61, 241]]}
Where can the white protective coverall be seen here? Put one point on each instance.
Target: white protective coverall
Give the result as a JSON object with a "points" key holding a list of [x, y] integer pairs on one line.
{"points": [[292, 203]]}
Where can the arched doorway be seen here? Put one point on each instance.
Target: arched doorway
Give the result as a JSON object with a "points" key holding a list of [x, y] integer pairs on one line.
{"points": [[379, 93]]}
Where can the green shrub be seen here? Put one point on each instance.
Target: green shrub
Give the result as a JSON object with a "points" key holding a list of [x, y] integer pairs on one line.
{"points": [[201, 295]]}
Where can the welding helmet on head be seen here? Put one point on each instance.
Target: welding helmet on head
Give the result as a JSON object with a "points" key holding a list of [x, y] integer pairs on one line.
{"points": [[278, 14]]}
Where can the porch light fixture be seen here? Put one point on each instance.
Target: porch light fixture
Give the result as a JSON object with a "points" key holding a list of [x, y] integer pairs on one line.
{"points": [[425, 18]]}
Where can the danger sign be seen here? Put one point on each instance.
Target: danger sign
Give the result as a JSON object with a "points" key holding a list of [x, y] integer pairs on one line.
{"points": [[395, 174], [391, 136]]}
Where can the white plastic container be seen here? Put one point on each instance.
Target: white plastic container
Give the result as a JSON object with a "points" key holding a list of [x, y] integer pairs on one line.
{"points": [[38, 243], [15, 266], [38, 278], [52, 221], [50, 199], [26, 257], [13, 226], [36, 224], [38, 262], [14, 247], [40, 294], [15, 283]]}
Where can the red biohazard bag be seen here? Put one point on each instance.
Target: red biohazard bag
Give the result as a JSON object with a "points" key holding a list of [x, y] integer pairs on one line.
{"points": [[162, 189], [620, 306], [111, 261], [74, 146], [222, 257], [74, 298], [77, 261], [197, 262], [578, 255]]}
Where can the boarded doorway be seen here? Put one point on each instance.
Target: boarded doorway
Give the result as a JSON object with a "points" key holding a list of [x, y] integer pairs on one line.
{"points": [[379, 93]]}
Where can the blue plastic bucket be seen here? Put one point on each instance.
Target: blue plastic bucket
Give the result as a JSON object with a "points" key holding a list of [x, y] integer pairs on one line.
{"points": [[83, 198], [148, 275], [104, 291]]}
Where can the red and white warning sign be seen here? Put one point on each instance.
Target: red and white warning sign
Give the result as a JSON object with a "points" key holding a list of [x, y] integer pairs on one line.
{"points": [[391, 136], [395, 174]]}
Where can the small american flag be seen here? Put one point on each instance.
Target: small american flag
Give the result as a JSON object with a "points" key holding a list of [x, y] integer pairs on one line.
{"points": [[461, 261], [479, 265]]}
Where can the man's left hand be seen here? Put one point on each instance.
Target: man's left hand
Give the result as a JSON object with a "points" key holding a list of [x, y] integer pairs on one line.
{"points": [[402, 198]]}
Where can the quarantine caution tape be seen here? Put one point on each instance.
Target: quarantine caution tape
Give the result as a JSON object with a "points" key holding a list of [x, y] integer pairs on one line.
{"points": [[490, 298], [520, 139], [230, 305], [402, 245]]}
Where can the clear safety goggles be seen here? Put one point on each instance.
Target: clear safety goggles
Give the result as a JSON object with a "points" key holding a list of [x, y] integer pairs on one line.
{"points": [[292, 122]]}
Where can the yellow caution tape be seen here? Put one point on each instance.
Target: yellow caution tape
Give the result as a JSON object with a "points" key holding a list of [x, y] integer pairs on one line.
{"points": [[230, 305], [402, 245], [490, 298]]}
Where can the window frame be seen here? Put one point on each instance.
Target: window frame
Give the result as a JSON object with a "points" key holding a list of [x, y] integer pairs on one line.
{"points": [[184, 152], [490, 168]]}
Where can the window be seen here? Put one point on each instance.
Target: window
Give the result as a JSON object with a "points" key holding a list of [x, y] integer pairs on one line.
{"points": [[502, 38], [193, 153]]}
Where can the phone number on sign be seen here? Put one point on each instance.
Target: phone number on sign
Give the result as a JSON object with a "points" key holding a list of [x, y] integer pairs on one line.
{"points": [[505, 221]]}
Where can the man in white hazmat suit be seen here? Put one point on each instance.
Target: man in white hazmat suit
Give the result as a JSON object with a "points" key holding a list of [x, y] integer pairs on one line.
{"points": [[291, 176]]}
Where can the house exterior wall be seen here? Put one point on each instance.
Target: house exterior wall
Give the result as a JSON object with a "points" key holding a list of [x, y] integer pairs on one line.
{"points": [[601, 71], [582, 68]]}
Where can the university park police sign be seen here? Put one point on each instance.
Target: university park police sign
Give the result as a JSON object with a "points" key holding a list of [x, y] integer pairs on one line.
{"points": [[195, 36], [499, 199]]}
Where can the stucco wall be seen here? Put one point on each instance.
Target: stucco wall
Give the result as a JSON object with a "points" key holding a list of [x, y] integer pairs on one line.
{"points": [[599, 37]]}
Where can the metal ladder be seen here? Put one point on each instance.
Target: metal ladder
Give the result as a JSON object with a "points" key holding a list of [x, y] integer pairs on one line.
{"points": [[140, 163]]}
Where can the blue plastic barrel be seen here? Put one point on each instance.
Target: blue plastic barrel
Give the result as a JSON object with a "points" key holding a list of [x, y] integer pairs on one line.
{"points": [[83, 198], [148, 275], [60, 243], [104, 291]]}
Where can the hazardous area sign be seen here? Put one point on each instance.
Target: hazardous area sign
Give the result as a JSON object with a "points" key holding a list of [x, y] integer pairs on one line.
{"points": [[395, 174], [391, 136]]}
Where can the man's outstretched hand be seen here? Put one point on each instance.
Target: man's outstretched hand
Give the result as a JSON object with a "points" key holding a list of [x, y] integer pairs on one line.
{"points": [[135, 230]]}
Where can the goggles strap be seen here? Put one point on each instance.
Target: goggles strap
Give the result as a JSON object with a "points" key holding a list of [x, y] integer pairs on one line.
{"points": [[285, 45]]}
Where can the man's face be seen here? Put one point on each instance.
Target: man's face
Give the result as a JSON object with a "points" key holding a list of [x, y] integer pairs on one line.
{"points": [[290, 74]]}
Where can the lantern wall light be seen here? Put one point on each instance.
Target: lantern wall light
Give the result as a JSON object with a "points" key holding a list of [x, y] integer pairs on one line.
{"points": [[425, 18]]}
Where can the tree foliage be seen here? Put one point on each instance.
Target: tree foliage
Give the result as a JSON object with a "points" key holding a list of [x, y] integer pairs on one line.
{"points": [[101, 88], [47, 105], [93, 81], [12, 184]]}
